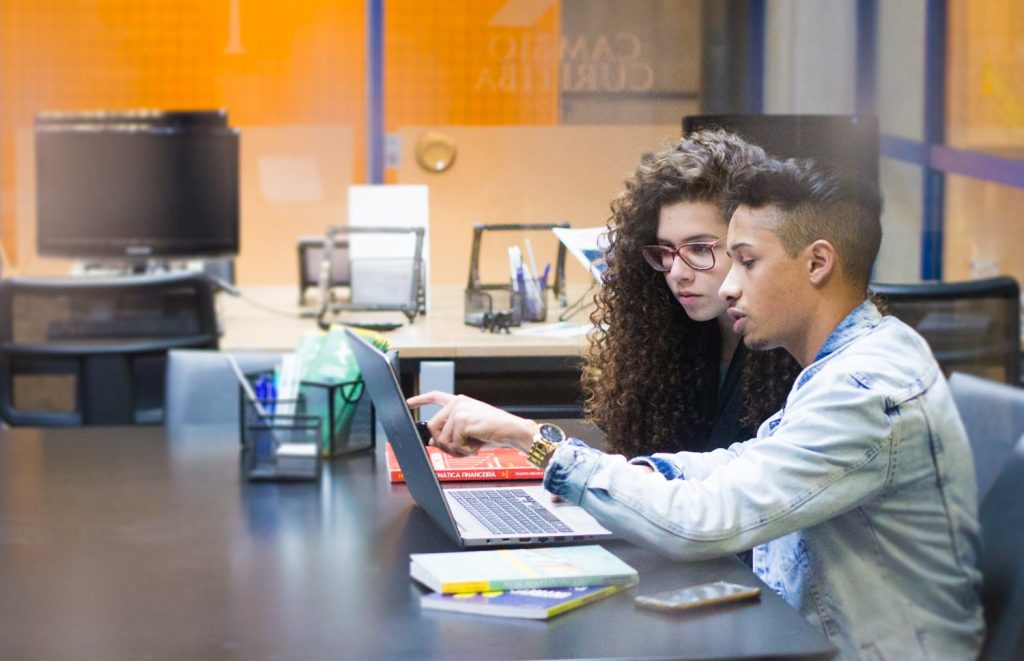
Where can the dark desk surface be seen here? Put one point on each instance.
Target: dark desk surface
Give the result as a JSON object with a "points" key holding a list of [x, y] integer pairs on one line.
{"points": [[118, 543]]}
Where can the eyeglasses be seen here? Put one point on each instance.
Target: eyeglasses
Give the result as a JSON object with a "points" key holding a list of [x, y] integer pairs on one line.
{"points": [[698, 256]]}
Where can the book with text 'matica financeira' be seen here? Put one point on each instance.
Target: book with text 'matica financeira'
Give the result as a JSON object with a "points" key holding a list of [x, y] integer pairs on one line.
{"points": [[488, 464], [519, 569], [535, 604]]}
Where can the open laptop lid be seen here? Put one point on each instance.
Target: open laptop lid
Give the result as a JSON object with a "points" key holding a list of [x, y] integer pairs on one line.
{"points": [[393, 414]]}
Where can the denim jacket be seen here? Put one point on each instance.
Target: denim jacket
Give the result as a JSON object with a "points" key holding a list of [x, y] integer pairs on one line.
{"points": [[859, 497]]}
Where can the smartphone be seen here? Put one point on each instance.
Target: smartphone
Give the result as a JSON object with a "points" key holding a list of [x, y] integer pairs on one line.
{"points": [[696, 596]]}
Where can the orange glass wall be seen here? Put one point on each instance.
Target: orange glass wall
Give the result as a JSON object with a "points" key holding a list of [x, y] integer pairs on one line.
{"points": [[985, 84], [985, 113], [470, 62], [267, 63]]}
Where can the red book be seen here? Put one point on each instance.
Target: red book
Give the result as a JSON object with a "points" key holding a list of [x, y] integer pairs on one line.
{"points": [[489, 464]]}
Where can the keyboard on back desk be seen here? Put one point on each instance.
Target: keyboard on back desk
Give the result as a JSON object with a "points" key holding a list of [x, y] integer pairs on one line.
{"points": [[80, 329], [508, 511]]}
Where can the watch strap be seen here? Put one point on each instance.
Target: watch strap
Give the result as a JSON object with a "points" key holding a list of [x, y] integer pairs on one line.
{"points": [[540, 452], [542, 448]]}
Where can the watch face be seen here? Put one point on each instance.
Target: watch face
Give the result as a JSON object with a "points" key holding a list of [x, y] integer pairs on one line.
{"points": [[551, 433]]}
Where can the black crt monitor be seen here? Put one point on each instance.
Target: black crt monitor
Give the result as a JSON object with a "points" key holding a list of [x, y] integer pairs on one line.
{"points": [[849, 142], [136, 185]]}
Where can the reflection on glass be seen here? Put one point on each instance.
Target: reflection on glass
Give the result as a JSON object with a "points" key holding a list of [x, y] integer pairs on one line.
{"points": [[983, 230]]}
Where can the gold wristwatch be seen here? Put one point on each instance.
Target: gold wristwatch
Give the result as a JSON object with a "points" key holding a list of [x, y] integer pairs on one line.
{"points": [[545, 442]]}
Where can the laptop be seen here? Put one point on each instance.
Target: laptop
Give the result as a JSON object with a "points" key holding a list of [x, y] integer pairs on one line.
{"points": [[472, 516]]}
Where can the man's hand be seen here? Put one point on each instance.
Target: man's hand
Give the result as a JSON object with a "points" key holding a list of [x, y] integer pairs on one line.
{"points": [[464, 425]]}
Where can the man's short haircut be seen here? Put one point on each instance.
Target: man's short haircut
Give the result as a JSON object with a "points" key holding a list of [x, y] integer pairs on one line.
{"points": [[817, 202]]}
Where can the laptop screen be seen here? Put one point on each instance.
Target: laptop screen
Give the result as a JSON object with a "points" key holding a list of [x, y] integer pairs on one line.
{"points": [[400, 429]]}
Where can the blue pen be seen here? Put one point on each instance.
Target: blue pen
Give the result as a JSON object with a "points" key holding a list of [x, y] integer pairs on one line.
{"points": [[544, 276], [271, 396], [266, 392], [521, 287], [260, 389]]}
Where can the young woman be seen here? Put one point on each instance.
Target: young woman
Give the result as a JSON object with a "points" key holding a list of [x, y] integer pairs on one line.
{"points": [[665, 372]]}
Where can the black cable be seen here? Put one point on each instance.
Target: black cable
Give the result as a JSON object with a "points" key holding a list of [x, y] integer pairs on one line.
{"points": [[231, 290], [284, 313], [579, 305]]}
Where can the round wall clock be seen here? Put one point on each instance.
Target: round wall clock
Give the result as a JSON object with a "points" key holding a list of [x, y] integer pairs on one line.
{"points": [[435, 151]]}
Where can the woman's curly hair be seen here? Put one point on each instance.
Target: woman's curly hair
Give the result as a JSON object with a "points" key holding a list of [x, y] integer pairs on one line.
{"points": [[651, 376]]}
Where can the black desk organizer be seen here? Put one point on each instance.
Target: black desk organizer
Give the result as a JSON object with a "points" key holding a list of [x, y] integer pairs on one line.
{"points": [[263, 436], [497, 306], [317, 416]]}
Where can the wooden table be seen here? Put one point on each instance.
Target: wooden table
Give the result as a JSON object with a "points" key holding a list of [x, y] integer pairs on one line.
{"points": [[441, 333], [532, 375]]}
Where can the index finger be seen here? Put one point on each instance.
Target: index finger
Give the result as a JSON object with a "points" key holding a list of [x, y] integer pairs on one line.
{"points": [[432, 397]]}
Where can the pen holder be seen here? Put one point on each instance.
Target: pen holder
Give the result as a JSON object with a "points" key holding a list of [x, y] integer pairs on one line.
{"points": [[279, 446], [533, 302], [346, 412], [272, 407]]}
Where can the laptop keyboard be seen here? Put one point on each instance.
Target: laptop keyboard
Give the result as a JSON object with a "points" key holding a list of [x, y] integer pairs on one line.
{"points": [[509, 511]]}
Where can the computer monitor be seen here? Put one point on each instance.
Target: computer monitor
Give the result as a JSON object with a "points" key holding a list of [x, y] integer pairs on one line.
{"points": [[846, 141], [136, 185]]}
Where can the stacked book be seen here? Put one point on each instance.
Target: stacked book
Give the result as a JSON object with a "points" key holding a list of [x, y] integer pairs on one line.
{"points": [[535, 583], [488, 465]]}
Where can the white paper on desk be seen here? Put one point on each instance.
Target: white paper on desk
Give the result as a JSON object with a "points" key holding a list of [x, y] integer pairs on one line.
{"points": [[560, 329], [390, 206]]}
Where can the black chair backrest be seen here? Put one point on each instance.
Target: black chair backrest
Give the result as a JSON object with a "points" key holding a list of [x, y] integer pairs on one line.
{"points": [[1002, 526], [85, 351], [972, 326]]}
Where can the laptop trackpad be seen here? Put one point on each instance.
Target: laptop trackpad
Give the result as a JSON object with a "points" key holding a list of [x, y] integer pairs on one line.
{"points": [[575, 516]]}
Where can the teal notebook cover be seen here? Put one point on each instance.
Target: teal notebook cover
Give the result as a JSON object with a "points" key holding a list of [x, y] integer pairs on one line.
{"points": [[514, 569]]}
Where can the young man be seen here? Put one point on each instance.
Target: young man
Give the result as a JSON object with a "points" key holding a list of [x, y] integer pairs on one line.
{"points": [[859, 495]]}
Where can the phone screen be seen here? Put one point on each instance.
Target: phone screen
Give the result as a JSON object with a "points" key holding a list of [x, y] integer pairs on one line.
{"points": [[698, 595]]}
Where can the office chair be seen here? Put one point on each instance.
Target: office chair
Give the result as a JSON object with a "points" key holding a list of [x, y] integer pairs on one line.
{"points": [[93, 351], [202, 389], [311, 257], [993, 415], [971, 326], [1002, 565]]}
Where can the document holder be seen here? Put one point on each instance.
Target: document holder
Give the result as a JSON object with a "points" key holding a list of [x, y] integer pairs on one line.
{"points": [[411, 305], [496, 305]]}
